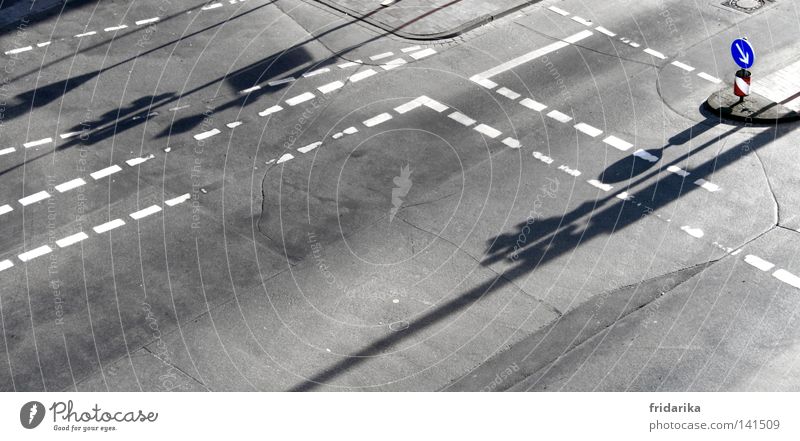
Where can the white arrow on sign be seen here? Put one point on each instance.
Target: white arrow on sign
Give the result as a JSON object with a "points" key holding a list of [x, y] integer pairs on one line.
{"points": [[744, 58]]}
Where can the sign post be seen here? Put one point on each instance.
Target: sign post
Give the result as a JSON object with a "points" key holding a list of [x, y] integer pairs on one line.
{"points": [[744, 57]]}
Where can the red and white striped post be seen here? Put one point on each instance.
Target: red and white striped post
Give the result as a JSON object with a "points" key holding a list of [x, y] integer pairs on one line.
{"points": [[741, 84]]}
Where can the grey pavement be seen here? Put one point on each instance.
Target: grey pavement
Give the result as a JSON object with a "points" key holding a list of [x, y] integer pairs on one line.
{"points": [[274, 195]]}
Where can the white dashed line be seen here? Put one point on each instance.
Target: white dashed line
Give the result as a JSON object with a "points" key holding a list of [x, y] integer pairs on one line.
{"points": [[19, 50], [309, 147], [678, 171], [461, 118], [136, 215], [708, 77], [694, 232], [581, 20], [350, 130], [619, 144], [6, 264], [211, 6], [381, 56], [69, 135], [208, 134], [422, 54], [432, 104], [533, 105], [175, 109], [5, 209], [32, 199], [178, 200], [485, 82], [410, 49], [316, 72], [349, 64], [411, 105], [330, 87], [85, 34], [511, 142], [560, 117], [270, 110], [34, 253], [655, 53], [587, 129], [71, 240], [542, 157], [337, 135], [632, 44], [100, 174], [558, 11], [603, 30], [644, 155], [508, 93], [600, 185], [374, 121], [7, 151], [758, 262], [147, 21], [281, 81], [624, 196], [394, 63], [136, 161], [569, 171], [685, 67], [39, 142], [249, 89], [285, 157], [115, 28], [108, 226], [361, 75], [489, 131], [300, 99], [69, 185], [43, 44], [707, 185], [233, 125], [787, 277]]}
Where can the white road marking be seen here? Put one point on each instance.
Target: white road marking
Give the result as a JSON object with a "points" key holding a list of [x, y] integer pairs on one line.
{"points": [[6, 264], [69, 185], [349, 64], [542, 157], [569, 171], [736, 252], [603, 30], [300, 99], [5, 209], [393, 63], [175, 109], [211, 6], [381, 56], [337, 135], [685, 67], [707, 185], [587, 129], [34, 253], [581, 20], [411, 105], [7, 151], [508, 93], [39, 142], [655, 53], [787, 277], [71, 240], [43, 44], [147, 21], [316, 72], [624, 196], [18, 50], [85, 34], [533, 105], [422, 54], [694, 232], [115, 28], [178, 200], [136, 215], [646, 156], [270, 110], [485, 82], [511, 142], [758, 262], [532, 55], [108, 226], [69, 135], [461, 118], [678, 171], [136, 161], [489, 131], [350, 130], [600, 185], [249, 89], [634, 44], [361, 75], [208, 134], [374, 121], [410, 49], [36, 197], [100, 174], [281, 81], [285, 157], [708, 77], [330, 87], [558, 11], [619, 144], [432, 104], [233, 125], [560, 117], [309, 147]]}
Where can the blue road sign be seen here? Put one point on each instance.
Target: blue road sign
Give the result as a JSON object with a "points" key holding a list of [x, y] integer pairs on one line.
{"points": [[742, 53]]}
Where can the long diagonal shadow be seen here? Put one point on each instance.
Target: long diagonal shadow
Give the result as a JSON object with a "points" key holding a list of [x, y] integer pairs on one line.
{"points": [[557, 237]]}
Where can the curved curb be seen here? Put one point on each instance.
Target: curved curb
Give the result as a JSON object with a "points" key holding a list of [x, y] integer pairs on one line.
{"points": [[464, 27], [754, 108]]}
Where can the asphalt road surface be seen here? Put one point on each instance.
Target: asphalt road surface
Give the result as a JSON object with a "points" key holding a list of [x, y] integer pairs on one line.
{"points": [[272, 195]]}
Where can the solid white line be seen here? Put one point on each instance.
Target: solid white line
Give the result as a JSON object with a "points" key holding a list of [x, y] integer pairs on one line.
{"points": [[7, 151], [381, 56], [34, 253], [70, 240], [281, 81], [309, 147], [581, 20], [508, 93], [349, 64], [511, 142], [36, 197], [145, 212], [410, 49], [208, 134], [330, 87], [600, 185], [758, 262], [587, 129], [361, 75], [533, 105], [508, 65], [115, 28], [211, 6], [99, 174], [394, 63], [787, 277], [489, 131], [463, 119], [708, 77], [603, 30], [147, 21], [285, 157], [423, 53], [6, 264], [69, 185], [316, 72], [655, 53], [300, 99], [374, 121], [30, 144], [18, 50], [707, 185], [560, 117], [178, 200], [136, 161], [685, 67], [108, 226], [86, 34], [645, 155], [617, 143], [558, 11], [270, 110]]}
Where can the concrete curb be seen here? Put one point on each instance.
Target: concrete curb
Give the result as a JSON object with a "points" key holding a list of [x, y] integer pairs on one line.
{"points": [[754, 108], [464, 27]]}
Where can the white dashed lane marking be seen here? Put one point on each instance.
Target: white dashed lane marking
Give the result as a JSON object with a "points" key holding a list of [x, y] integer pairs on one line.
{"points": [[617, 143], [281, 81], [461, 118], [285, 157], [71, 240], [558, 11], [330, 87], [787, 277], [361, 75], [86, 34], [423, 53], [300, 99], [489, 131], [349, 64], [69, 185], [5, 209], [115, 28], [560, 117], [381, 56], [145, 212], [6, 264], [18, 50], [316, 72], [393, 64], [34, 253], [8, 150], [587, 129], [100, 174], [605, 31], [511, 142], [680, 65], [175, 201], [758, 262], [708, 77], [207, 134], [136, 161], [508, 93], [108, 226], [34, 198], [655, 53], [270, 110], [582, 20], [533, 105], [309, 147], [600, 185], [147, 21], [39, 142], [374, 121]]}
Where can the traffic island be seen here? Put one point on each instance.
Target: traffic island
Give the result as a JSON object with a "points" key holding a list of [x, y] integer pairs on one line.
{"points": [[753, 108]]}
